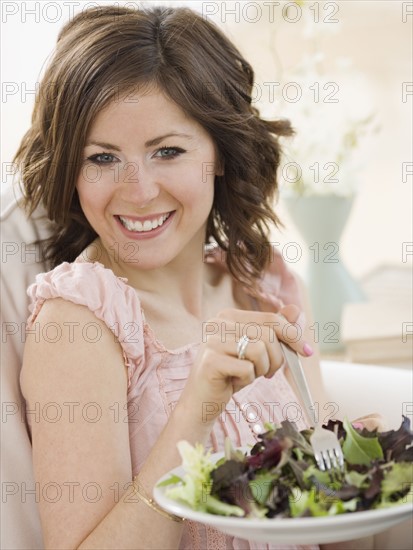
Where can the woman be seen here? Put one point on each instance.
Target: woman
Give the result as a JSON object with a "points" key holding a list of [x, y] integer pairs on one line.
{"points": [[144, 148]]}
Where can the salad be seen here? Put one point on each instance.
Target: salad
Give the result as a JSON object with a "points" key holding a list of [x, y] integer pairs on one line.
{"points": [[279, 478]]}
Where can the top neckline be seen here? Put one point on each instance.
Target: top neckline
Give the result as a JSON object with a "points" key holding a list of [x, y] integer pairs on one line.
{"points": [[212, 255]]}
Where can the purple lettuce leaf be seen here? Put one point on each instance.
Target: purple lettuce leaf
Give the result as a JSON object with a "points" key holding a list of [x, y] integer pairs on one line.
{"points": [[269, 456], [395, 443]]}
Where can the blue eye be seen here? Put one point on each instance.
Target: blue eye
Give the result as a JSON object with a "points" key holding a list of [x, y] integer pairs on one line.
{"points": [[102, 158], [169, 152]]}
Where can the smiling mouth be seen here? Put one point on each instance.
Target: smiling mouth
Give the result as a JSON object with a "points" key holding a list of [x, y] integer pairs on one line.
{"points": [[145, 226]]}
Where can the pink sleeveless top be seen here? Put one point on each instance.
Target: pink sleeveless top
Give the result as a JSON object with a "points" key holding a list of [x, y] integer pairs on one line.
{"points": [[157, 375]]}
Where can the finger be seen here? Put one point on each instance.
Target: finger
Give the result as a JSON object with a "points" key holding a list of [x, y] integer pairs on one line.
{"points": [[294, 315], [243, 374], [374, 421], [264, 348], [357, 425], [240, 372], [293, 330], [256, 352], [283, 329], [291, 312], [257, 326]]}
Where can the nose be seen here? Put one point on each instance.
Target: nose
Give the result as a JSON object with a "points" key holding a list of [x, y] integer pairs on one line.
{"points": [[139, 184]]}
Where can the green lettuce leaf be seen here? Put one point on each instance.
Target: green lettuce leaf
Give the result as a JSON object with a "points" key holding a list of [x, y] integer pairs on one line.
{"points": [[261, 487], [216, 506], [314, 472], [358, 449], [397, 480], [196, 484], [341, 507], [356, 479], [172, 480], [307, 503]]}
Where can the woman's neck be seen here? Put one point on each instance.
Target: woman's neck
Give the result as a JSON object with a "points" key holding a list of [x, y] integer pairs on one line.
{"points": [[188, 283]]}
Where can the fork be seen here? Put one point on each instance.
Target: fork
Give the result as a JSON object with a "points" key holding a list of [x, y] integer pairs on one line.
{"points": [[326, 447]]}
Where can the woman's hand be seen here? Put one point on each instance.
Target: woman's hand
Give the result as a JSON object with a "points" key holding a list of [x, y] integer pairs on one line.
{"points": [[373, 421], [218, 372]]}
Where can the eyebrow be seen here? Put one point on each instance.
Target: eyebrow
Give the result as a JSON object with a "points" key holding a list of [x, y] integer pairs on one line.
{"points": [[150, 143]]}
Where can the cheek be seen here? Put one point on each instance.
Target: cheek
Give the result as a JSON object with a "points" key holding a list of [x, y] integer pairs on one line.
{"points": [[197, 200], [207, 187], [84, 194], [92, 197], [195, 186]]}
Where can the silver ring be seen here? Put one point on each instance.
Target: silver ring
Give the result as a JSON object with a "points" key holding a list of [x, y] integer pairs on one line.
{"points": [[242, 346]]}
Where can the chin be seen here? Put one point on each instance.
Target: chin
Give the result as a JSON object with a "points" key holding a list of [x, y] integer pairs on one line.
{"points": [[144, 263]]}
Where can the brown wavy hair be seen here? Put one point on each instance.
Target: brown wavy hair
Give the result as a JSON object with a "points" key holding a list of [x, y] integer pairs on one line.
{"points": [[106, 52]]}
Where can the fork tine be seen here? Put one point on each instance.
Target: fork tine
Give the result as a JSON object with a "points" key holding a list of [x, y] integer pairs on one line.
{"points": [[320, 461], [333, 458], [340, 457], [326, 457], [327, 450]]}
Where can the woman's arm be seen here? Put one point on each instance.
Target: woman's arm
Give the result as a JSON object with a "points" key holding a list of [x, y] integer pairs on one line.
{"points": [[82, 459]]}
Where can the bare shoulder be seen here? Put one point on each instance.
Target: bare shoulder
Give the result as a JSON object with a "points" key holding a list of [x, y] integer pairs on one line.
{"points": [[74, 380], [58, 310], [67, 341]]}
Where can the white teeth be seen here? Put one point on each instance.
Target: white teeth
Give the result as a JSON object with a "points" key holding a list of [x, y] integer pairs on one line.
{"points": [[147, 225]]}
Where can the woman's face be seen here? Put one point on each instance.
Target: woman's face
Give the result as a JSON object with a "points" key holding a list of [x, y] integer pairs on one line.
{"points": [[147, 181]]}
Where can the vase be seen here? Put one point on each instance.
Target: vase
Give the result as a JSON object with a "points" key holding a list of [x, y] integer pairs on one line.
{"points": [[321, 221]]}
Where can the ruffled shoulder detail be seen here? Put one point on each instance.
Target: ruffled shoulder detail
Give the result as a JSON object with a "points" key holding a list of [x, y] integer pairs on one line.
{"points": [[109, 297], [278, 286]]}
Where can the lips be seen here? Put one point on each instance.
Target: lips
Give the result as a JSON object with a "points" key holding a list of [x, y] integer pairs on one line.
{"points": [[144, 226]]}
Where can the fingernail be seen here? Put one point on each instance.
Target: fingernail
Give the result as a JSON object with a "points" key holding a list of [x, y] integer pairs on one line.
{"points": [[358, 425], [308, 350]]}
